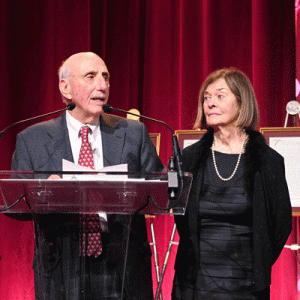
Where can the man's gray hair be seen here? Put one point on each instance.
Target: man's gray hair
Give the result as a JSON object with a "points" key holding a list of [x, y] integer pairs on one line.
{"points": [[64, 72]]}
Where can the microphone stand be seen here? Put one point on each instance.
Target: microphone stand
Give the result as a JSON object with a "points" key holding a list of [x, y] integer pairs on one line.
{"points": [[172, 178], [70, 106], [174, 160]]}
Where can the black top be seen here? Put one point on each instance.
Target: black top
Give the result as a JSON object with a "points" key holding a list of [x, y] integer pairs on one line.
{"points": [[225, 234]]}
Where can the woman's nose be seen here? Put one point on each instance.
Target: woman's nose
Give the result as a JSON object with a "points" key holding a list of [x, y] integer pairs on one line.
{"points": [[211, 102]]}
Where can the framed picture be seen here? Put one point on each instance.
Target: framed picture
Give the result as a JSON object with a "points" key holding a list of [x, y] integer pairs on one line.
{"points": [[286, 141], [155, 138], [188, 137]]}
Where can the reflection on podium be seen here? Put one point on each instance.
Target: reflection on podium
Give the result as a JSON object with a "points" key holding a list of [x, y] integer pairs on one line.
{"points": [[59, 202]]}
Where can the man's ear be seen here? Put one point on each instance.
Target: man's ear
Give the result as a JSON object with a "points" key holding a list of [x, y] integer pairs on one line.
{"points": [[65, 88]]}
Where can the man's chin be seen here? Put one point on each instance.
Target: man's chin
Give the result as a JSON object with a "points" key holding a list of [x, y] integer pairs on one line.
{"points": [[97, 111]]}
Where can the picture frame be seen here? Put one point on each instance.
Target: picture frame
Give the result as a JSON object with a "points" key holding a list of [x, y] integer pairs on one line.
{"points": [[286, 141], [155, 138], [189, 137]]}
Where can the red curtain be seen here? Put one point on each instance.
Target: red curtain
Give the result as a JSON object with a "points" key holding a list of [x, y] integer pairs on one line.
{"points": [[158, 54]]}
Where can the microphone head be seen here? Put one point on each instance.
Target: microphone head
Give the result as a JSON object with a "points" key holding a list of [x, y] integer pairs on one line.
{"points": [[71, 106], [107, 108]]}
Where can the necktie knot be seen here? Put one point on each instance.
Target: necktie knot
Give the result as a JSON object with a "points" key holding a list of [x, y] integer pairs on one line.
{"points": [[84, 131]]}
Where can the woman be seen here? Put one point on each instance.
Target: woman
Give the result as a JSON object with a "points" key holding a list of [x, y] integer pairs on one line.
{"points": [[238, 216]]}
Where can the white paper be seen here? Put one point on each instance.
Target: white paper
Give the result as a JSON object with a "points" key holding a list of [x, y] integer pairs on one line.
{"points": [[289, 148], [70, 166], [187, 142]]}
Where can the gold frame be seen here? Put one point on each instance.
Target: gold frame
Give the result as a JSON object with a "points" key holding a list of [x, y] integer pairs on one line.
{"points": [[155, 138], [282, 132], [183, 135], [278, 130]]}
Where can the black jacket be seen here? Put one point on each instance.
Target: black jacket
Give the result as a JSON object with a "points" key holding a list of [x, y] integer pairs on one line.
{"points": [[272, 215]]}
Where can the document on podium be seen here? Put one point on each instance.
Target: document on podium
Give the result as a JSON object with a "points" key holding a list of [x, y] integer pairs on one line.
{"points": [[101, 175]]}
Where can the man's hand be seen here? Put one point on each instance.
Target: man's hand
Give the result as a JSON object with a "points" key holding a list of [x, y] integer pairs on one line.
{"points": [[54, 176]]}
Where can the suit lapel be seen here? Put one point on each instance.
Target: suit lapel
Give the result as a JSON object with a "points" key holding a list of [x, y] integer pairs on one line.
{"points": [[112, 140], [59, 146]]}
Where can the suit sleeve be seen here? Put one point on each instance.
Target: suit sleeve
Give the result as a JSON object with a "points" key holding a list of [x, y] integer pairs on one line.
{"points": [[21, 159], [20, 162]]}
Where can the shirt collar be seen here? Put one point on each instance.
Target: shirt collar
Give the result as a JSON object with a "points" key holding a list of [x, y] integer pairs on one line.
{"points": [[75, 125]]}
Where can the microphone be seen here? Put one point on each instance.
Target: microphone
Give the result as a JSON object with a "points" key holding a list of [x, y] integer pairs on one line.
{"points": [[175, 159], [70, 106]]}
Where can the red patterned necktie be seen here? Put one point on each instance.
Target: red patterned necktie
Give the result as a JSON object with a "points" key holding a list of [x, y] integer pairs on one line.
{"points": [[90, 223]]}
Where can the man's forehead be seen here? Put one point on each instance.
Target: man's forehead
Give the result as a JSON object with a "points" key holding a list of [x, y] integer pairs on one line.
{"points": [[86, 62]]}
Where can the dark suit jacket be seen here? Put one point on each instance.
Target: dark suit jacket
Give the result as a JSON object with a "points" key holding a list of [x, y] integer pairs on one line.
{"points": [[272, 215], [42, 147]]}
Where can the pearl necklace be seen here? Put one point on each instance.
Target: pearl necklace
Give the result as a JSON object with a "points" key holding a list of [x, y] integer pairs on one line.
{"points": [[237, 164]]}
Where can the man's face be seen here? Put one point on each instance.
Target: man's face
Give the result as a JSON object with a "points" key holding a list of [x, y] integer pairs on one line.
{"points": [[88, 86]]}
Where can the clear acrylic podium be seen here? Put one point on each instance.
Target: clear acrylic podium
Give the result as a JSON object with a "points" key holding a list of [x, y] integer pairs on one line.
{"points": [[27, 193], [92, 192]]}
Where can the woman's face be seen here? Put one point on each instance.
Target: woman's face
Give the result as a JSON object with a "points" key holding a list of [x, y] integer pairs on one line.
{"points": [[220, 105]]}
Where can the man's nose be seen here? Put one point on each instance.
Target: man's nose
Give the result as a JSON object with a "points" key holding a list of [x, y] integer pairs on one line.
{"points": [[102, 83]]}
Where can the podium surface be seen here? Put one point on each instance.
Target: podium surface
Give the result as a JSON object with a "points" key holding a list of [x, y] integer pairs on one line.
{"points": [[90, 192]]}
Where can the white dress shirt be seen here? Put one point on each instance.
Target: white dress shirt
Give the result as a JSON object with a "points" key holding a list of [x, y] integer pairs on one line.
{"points": [[94, 139]]}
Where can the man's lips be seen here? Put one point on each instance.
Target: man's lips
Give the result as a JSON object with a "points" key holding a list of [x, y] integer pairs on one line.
{"points": [[98, 98]]}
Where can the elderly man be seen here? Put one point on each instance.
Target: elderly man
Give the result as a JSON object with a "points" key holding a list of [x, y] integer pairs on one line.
{"points": [[65, 267]]}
